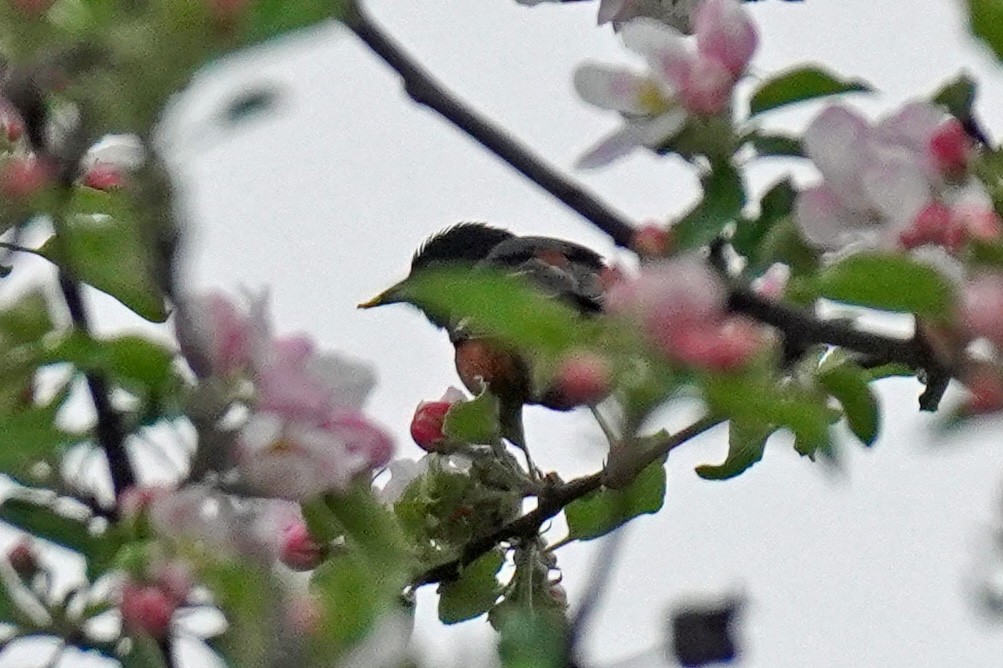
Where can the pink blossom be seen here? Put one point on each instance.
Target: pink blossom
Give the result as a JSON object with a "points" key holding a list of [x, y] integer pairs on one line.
{"points": [[293, 380], [680, 80], [773, 282], [298, 460], [217, 336], [884, 184], [681, 306]]}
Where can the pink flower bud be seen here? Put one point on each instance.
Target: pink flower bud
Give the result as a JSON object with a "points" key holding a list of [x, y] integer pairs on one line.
{"points": [[651, 241], [13, 126], [950, 148], [22, 178], [723, 347], [134, 501], [175, 579], [23, 558], [147, 609], [299, 551], [427, 424], [929, 227], [726, 33], [583, 378], [227, 12], [303, 614], [986, 388], [982, 308], [707, 89], [103, 177]]}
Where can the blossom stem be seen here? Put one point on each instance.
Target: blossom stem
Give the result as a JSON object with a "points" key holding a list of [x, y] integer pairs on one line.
{"points": [[553, 500], [425, 90]]}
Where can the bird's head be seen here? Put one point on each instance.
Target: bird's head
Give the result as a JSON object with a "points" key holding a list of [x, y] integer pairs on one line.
{"points": [[464, 244]]}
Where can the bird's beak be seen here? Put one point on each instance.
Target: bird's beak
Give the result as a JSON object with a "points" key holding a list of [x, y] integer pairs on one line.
{"points": [[391, 295]]}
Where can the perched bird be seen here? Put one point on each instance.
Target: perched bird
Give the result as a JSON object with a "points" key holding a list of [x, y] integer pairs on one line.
{"points": [[560, 269]]}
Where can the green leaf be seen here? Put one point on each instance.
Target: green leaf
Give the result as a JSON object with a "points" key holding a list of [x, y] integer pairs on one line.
{"points": [[110, 254], [774, 207], [508, 307], [957, 96], [130, 360], [783, 242], [888, 282], [474, 422], [26, 320], [746, 444], [776, 145], [849, 384], [28, 437], [270, 18], [320, 521], [474, 592], [352, 599], [143, 653], [603, 510], [723, 199], [373, 529], [72, 533], [986, 23], [528, 639], [799, 85], [44, 522], [755, 398]]}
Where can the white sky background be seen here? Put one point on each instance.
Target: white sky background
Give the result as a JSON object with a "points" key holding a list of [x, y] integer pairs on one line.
{"points": [[326, 200]]}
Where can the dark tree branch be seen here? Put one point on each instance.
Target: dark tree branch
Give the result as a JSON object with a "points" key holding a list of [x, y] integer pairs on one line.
{"points": [[553, 500], [423, 89], [26, 90], [802, 329]]}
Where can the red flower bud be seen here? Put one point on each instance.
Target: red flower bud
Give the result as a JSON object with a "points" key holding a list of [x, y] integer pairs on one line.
{"points": [[651, 241], [23, 558], [147, 609], [21, 178], [949, 146], [300, 551], [426, 425], [103, 177], [986, 387]]}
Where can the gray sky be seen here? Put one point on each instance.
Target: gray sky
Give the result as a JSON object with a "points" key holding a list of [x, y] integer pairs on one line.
{"points": [[325, 202]]}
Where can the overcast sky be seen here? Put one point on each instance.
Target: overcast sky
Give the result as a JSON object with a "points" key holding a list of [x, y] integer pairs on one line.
{"points": [[325, 201]]}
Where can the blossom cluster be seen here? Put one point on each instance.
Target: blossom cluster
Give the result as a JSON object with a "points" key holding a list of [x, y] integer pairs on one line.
{"points": [[306, 433], [681, 81], [901, 183]]}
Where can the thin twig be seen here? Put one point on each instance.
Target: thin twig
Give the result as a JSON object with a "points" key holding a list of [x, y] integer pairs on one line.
{"points": [[425, 90], [552, 501]]}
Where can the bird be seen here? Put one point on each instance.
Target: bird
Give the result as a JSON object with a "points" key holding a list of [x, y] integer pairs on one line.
{"points": [[559, 269]]}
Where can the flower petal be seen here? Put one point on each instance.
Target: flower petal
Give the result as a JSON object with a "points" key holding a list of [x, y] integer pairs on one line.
{"points": [[609, 149], [824, 220], [612, 88], [725, 32], [835, 142]]}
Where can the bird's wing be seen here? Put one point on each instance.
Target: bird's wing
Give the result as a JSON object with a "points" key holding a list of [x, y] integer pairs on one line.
{"points": [[559, 268]]}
